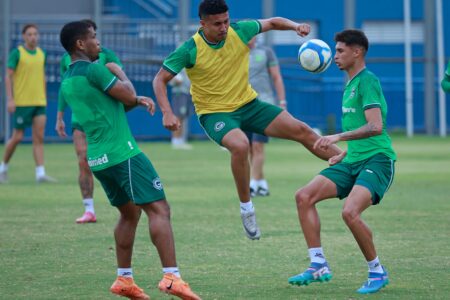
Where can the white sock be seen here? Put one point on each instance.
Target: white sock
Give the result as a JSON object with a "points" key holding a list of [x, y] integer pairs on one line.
{"points": [[247, 206], [316, 255], [3, 167], [40, 171], [262, 183], [125, 272], [89, 205], [178, 141], [173, 270], [253, 184], [375, 266]]}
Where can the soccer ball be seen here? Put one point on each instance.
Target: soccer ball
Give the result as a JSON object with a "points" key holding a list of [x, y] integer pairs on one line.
{"points": [[315, 56]]}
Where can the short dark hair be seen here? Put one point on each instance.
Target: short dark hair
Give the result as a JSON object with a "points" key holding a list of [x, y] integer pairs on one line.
{"points": [[212, 7], [90, 22], [71, 32], [27, 26], [352, 37]]}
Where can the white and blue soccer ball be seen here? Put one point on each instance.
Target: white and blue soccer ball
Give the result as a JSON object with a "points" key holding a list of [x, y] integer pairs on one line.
{"points": [[315, 56]]}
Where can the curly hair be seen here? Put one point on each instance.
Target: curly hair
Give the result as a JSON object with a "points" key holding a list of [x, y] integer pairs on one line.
{"points": [[352, 37]]}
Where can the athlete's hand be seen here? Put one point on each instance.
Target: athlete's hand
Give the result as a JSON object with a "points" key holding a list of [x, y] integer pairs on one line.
{"points": [[337, 158], [147, 102], [11, 106], [60, 128], [303, 29], [171, 122], [326, 141]]}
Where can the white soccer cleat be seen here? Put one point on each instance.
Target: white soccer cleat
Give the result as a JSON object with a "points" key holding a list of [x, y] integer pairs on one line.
{"points": [[45, 178], [3, 177], [251, 228]]}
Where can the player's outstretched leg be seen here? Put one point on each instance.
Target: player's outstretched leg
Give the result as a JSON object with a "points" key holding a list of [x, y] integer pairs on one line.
{"points": [[174, 285], [125, 286], [316, 272], [375, 282]]}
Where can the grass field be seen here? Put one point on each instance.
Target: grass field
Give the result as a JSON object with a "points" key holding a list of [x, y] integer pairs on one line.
{"points": [[45, 255]]}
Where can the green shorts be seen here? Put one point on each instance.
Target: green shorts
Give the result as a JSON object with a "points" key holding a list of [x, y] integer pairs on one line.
{"points": [[24, 115], [76, 126], [134, 179], [254, 116], [375, 173]]}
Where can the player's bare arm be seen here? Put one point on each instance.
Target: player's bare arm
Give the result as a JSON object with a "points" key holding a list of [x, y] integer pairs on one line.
{"points": [[123, 89], [278, 23], [11, 105], [170, 121], [373, 127]]}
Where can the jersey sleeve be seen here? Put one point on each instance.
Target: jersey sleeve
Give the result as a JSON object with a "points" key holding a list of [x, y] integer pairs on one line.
{"points": [[183, 57], [100, 77], [13, 58], [371, 94], [64, 63], [247, 29], [271, 58], [445, 83], [110, 56]]}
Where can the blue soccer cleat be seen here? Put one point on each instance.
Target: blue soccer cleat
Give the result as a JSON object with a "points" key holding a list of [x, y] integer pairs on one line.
{"points": [[375, 282], [315, 273]]}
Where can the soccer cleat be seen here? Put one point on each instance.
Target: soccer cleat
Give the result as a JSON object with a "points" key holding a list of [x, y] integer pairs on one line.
{"points": [[252, 192], [375, 282], [171, 284], [45, 178], [251, 228], [3, 177], [262, 192], [125, 286], [183, 146], [315, 273], [87, 217]]}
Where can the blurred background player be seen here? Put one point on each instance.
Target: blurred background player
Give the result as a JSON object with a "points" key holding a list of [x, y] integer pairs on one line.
{"points": [[265, 75], [216, 59], [85, 178], [26, 92], [99, 96], [445, 83], [183, 108], [362, 175]]}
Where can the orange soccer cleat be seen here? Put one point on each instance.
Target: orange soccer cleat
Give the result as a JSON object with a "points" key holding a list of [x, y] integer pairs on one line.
{"points": [[125, 286], [173, 285]]}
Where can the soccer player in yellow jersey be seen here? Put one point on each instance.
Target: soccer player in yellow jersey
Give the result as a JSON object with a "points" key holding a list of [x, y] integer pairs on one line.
{"points": [[26, 94], [216, 59]]}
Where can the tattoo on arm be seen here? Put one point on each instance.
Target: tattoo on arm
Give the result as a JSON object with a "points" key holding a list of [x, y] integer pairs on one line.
{"points": [[365, 131]]}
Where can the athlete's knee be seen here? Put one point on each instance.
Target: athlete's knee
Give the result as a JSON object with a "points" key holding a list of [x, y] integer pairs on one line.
{"points": [[350, 215], [304, 198], [17, 136], [240, 148]]}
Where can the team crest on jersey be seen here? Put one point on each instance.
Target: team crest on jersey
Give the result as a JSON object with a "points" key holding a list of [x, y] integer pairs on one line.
{"points": [[219, 126], [157, 184]]}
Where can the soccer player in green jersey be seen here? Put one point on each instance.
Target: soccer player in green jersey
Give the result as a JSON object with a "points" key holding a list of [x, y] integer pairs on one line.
{"points": [[216, 59], [362, 175], [99, 96], [85, 178], [445, 83], [27, 99]]}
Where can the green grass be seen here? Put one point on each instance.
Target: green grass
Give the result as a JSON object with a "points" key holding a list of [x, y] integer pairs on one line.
{"points": [[45, 255]]}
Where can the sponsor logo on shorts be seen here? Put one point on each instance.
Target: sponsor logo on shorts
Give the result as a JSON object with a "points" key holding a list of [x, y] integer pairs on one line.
{"points": [[19, 120], [98, 161], [219, 126], [157, 184]]}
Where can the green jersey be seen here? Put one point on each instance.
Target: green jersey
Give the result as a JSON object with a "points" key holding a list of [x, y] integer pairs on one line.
{"points": [[445, 83], [361, 93], [84, 88], [185, 55], [105, 56]]}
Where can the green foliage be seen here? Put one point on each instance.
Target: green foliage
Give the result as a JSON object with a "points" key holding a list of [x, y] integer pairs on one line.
{"points": [[45, 255]]}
